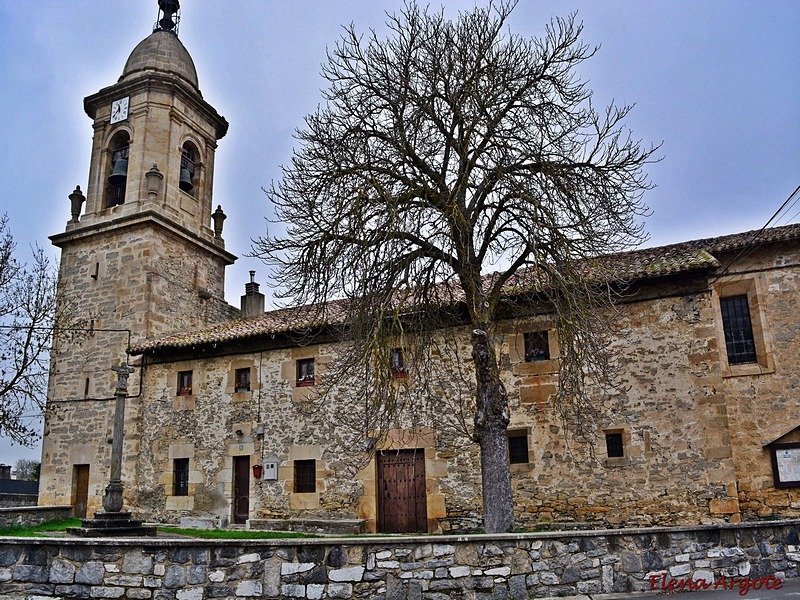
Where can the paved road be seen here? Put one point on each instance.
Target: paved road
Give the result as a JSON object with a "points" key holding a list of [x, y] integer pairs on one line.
{"points": [[790, 590]]}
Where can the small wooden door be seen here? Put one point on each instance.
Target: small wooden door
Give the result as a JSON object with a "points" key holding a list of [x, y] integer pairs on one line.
{"points": [[401, 491], [241, 489], [80, 490]]}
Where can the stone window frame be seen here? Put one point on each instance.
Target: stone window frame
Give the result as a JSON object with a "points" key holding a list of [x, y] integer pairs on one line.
{"points": [[752, 287], [231, 388], [625, 436], [302, 501], [182, 449], [516, 349]]}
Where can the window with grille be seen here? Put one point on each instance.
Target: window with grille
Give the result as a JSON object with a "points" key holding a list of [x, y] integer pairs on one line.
{"points": [[242, 380], [537, 346], [738, 330], [184, 383], [305, 372], [305, 476], [614, 447], [180, 477], [517, 447]]}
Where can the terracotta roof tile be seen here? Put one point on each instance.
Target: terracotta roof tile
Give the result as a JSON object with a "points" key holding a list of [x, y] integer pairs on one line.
{"points": [[626, 266]]}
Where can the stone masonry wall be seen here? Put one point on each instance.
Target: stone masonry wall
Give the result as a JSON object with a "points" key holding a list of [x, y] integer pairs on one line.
{"points": [[762, 403], [515, 566], [9, 500], [139, 279], [33, 515], [677, 467]]}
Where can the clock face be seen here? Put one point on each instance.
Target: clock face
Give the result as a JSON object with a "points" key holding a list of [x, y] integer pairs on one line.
{"points": [[119, 110]]}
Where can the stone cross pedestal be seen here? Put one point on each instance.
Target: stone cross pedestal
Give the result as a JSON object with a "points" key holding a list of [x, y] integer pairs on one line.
{"points": [[113, 521]]}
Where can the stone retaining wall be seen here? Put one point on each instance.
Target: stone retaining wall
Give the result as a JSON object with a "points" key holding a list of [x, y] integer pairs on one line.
{"points": [[33, 515], [11, 500], [480, 567]]}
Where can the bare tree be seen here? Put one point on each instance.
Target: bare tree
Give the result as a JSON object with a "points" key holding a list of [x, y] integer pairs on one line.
{"points": [[449, 150], [28, 302], [27, 469]]}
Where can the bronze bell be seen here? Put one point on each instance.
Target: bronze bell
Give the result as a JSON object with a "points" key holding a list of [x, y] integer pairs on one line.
{"points": [[186, 180], [119, 173]]}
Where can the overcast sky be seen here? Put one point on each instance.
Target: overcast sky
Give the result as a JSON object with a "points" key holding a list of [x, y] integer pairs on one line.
{"points": [[718, 82]]}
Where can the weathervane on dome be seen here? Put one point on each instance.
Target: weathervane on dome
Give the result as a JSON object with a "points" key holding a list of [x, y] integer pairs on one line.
{"points": [[168, 17]]}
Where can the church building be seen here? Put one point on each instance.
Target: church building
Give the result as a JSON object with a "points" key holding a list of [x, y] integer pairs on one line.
{"points": [[222, 422]]}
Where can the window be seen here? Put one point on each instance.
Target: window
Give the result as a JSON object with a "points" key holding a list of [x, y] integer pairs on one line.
{"points": [[180, 477], [118, 170], [517, 447], [305, 372], [184, 383], [305, 476], [614, 447], [738, 329], [537, 346], [187, 179], [242, 380], [397, 363]]}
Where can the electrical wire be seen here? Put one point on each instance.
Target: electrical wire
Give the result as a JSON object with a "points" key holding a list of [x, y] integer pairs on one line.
{"points": [[750, 245]]}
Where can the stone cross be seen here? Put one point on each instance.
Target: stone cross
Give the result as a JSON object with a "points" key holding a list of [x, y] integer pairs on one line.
{"points": [[112, 501], [122, 372]]}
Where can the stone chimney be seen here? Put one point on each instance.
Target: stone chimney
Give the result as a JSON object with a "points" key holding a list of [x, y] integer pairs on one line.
{"points": [[253, 300]]}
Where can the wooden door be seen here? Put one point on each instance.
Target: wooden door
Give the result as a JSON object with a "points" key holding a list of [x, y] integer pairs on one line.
{"points": [[80, 490], [241, 489], [401, 491]]}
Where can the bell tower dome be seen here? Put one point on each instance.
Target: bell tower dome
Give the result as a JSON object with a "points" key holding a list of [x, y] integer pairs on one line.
{"points": [[154, 121], [139, 257]]}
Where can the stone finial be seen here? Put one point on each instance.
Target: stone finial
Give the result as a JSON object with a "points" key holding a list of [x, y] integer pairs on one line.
{"points": [[76, 199], [219, 218], [154, 179]]}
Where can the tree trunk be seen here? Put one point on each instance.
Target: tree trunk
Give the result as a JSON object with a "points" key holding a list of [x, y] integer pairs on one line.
{"points": [[491, 421]]}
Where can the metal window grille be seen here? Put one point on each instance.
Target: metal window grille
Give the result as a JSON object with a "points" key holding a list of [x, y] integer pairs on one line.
{"points": [[242, 380], [305, 476], [738, 330], [614, 447], [305, 372], [537, 346], [180, 477], [518, 448]]}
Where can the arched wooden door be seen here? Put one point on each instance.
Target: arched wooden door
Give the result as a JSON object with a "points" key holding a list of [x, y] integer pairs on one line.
{"points": [[402, 501]]}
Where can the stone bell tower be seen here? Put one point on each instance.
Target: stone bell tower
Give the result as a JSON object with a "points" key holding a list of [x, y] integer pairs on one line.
{"points": [[142, 255]]}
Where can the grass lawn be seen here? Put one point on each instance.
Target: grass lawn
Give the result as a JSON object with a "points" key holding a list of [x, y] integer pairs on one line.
{"points": [[234, 534], [40, 530]]}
